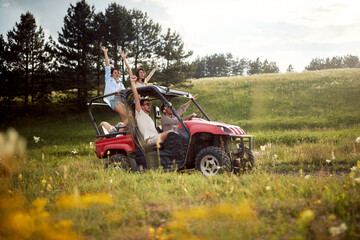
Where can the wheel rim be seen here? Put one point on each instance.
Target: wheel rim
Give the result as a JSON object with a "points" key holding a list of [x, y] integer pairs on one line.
{"points": [[209, 165]]}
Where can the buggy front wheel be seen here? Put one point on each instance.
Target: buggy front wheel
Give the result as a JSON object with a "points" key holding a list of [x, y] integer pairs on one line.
{"points": [[117, 162], [212, 160]]}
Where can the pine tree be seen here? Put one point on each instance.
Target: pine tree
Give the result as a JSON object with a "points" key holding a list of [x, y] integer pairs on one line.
{"points": [[76, 41], [171, 49], [99, 40], [146, 37], [26, 44], [119, 31]]}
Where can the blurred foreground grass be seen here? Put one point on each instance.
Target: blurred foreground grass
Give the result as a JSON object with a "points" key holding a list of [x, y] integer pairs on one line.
{"points": [[75, 197]]}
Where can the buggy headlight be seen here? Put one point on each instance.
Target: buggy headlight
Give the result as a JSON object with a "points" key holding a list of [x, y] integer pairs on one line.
{"points": [[224, 129]]}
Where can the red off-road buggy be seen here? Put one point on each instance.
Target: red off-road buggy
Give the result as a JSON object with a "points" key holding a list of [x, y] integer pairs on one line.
{"points": [[210, 147]]}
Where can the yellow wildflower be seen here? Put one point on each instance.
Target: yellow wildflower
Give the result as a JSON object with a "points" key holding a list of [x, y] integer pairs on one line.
{"points": [[81, 202], [20, 224], [43, 182], [306, 217]]}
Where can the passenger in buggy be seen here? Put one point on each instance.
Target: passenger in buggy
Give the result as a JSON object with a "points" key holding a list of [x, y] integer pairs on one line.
{"points": [[145, 123], [113, 84], [108, 128], [140, 73]]}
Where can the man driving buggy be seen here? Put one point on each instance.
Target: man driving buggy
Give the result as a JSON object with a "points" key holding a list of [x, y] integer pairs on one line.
{"points": [[169, 121], [144, 121]]}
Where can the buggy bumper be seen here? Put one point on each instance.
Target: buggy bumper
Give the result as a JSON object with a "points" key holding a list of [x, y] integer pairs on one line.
{"points": [[242, 139]]}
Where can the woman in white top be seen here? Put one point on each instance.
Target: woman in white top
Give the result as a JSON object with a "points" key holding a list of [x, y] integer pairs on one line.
{"points": [[139, 73], [113, 84]]}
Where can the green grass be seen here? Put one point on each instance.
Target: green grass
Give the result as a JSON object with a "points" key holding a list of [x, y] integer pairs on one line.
{"points": [[323, 99], [305, 125]]}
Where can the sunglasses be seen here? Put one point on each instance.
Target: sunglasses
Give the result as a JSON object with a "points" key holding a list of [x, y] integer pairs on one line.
{"points": [[147, 104]]}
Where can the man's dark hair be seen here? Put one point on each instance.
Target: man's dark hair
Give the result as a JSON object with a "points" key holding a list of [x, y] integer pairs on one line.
{"points": [[143, 100]]}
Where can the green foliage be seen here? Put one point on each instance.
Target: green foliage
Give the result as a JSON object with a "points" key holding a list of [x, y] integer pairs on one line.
{"points": [[348, 61], [171, 50], [258, 67], [74, 49], [24, 58], [219, 65]]}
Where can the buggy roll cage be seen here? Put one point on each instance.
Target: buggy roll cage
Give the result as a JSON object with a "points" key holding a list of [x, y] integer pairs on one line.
{"points": [[162, 93]]}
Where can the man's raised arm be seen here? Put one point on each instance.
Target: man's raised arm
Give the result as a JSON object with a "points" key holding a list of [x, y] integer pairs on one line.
{"points": [[135, 93]]}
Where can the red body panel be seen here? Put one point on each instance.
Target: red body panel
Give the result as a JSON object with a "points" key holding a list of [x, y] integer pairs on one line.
{"points": [[199, 125], [124, 143]]}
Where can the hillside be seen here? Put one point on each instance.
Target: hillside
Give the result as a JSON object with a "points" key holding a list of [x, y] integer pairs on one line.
{"points": [[320, 99]]}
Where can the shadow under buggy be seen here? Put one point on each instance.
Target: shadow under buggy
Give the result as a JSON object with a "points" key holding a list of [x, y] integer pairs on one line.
{"points": [[200, 143]]}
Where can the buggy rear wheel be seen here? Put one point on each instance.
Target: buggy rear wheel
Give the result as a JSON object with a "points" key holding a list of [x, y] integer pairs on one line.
{"points": [[212, 160], [117, 162]]}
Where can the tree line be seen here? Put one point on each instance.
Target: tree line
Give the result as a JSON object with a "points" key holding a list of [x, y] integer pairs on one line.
{"points": [[32, 67], [220, 65], [347, 61]]}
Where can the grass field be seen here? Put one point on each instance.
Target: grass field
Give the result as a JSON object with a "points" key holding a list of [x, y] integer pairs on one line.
{"points": [[306, 183]]}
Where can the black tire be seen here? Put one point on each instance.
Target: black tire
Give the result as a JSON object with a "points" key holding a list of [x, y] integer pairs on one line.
{"points": [[118, 162], [212, 160], [247, 162]]}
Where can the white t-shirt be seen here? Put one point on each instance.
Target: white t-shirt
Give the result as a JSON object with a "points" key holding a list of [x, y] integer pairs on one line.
{"points": [[138, 84], [146, 124], [111, 85]]}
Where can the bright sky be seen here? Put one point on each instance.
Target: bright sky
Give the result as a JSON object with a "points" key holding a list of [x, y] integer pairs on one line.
{"points": [[287, 32]]}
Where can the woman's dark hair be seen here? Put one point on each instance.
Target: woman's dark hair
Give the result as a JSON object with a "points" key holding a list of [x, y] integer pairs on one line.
{"points": [[137, 73], [112, 70]]}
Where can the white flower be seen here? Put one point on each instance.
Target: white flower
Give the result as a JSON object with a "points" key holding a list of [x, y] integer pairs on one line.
{"points": [[328, 161], [91, 144], [334, 231], [354, 168], [332, 155], [111, 181], [275, 156], [307, 177], [357, 140], [268, 188], [36, 139], [357, 180], [74, 151], [263, 148]]}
